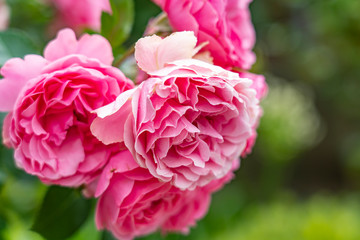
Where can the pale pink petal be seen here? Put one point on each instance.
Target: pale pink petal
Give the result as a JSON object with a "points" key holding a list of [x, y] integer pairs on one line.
{"points": [[153, 53], [145, 53], [177, 46], [195, 67]]}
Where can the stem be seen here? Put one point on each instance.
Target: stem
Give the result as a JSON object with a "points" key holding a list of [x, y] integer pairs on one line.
{"points": [[237, 69], [127, 54]]}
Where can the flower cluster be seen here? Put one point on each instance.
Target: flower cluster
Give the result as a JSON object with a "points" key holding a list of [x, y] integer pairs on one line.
{"points": [[152, 153]]}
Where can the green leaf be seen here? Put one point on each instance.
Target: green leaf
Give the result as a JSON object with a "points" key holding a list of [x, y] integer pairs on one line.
{"points": [[62, 213], [15, 43], [144, 11], [88, 231], [116, 27], [106, 235], [2, 116], [7, 164], [3, 222]]}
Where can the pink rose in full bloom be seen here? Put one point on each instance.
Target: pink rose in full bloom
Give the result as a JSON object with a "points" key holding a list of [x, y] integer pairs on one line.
{"points": [[51, 99], [224, 24], [81, 14], [188, 123], [133, 203], [4, 15], [261, 89]]}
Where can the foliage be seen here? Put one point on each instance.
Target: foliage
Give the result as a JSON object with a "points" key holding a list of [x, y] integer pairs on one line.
{"points": [[62, 212], [116, 26], [15, 43], [290, 123], [319, 218]]}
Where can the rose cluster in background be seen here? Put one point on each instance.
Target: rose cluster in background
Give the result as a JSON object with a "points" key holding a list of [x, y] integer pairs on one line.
{"points": [[153, 152]]}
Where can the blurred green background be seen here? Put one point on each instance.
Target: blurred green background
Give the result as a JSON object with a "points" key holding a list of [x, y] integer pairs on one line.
{"points": [[302, 180]]}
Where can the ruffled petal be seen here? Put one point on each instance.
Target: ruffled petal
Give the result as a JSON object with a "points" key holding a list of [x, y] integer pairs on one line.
{"points": [[92, 46]]}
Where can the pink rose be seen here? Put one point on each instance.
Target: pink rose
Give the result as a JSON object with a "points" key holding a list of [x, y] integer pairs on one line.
{"points": [[261, 89], [188, 123], [51, 100], [224, 24], [4, 15], [133, 203], [81, 14]]}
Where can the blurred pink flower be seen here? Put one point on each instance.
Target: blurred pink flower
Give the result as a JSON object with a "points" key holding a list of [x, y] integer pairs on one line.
{"points": [[133, 203], [188, 123], [224, 24], [50, 100], [4, 15], [81, 14]]}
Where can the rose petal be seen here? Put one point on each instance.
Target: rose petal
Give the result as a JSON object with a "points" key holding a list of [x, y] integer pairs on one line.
{"points": [[153, 53], [17, 73], [108, 127], [92, 46]]}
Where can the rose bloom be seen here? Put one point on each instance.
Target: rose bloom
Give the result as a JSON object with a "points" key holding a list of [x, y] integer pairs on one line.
{"points": [[81, 14], [4, 15], [224, 24], [133, 203], [50, 100], [188, 123]]}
